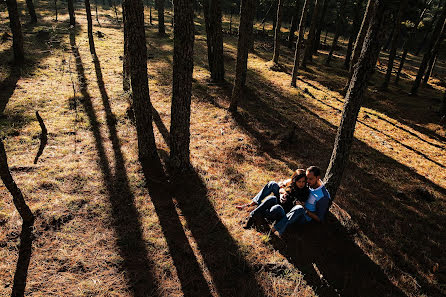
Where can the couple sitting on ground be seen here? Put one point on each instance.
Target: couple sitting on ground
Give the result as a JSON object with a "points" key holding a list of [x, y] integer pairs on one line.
{"points": [[301, 199]]}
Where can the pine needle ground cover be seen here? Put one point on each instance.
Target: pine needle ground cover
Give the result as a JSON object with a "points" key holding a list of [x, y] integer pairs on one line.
{"points": [[101, 230]]}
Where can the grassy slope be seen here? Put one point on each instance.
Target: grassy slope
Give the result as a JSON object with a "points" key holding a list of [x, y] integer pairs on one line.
{"points": [[101, 231]]}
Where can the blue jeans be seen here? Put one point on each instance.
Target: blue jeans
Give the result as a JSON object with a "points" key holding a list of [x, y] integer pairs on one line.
{"points": [[270, 188], [296, 215], [269, 209]]}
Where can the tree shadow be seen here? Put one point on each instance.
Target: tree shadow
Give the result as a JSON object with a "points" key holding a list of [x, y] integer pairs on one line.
{"points": [[383, 217], [125, 217], [25, 249]]}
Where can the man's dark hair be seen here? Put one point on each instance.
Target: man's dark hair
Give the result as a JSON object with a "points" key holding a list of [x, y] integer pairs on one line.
{"points": [[316, 170]]}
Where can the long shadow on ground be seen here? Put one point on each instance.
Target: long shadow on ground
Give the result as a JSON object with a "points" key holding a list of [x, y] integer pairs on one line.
{"points": [[25, 249], [125, 217], [347, 270]]}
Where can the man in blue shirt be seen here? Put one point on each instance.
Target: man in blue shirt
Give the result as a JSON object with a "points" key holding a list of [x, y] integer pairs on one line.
{"points": [[314, 209]]}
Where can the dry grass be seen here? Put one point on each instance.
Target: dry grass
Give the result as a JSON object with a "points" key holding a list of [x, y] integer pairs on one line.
{"points": [[101, 232]]}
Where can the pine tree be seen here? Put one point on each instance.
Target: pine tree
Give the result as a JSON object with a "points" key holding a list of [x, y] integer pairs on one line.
{"points": [[214, 39], [16, 29], [160, 7], [339, 24], [353, 100], [183, 65], [71, 13], [137, 52], [244, 35], [277, 32], [300, 40], [31, 11], [90, 27], [308, 53]]}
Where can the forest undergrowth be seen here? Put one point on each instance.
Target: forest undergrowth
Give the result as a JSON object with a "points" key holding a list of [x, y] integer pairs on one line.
{"points": [[101, 230]]}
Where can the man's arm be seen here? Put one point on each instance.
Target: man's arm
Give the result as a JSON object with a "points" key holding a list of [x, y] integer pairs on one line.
{"points": [[321, 208], [312, 215]]}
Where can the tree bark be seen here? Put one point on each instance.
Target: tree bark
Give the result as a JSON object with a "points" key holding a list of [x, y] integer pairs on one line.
{"points": [[214, 39], [339, 23], [430, 68], [71, 13], [353, 99], [90, 27], [183, 65], [16, 29], [400, 67], [277, 32], [245, 31], [317, 38], [17, 196], [160, 7], [125, 60], [55, 8], [443, 106], [293, 27], [434, 43], [359, 41], [394, 43], [142, 107], [31, 11], [308, 53], [354, 33], [300, 40]]}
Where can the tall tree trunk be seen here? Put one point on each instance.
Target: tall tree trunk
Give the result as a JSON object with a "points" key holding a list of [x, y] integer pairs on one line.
{"points": [[214, 39], [299, 43], [443, 106], [430, 68], [160, 7], [142, 107], [90, 27], [71, 13], [395, 37], [353, 33], [183, 65], [96, 12], [277, 32], [359, 41], [308, 53], [353, 99], [434, 43], [427, 33], [17, 196], [150, 14], [16, 29], [31, 11], [339, 23], [317, 37], [293, 27], [245, 31], [55, 8], [126, 59], [251, 40], [402, 60]]}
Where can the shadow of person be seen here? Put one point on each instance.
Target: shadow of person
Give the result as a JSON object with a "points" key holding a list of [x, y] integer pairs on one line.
{"points": [[21, 272], [332, 263]]}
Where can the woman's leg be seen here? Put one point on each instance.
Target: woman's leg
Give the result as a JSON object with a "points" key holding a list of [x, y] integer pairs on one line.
{"points": [[271, 187], [276, 213], [296, 215], [261, 211]]}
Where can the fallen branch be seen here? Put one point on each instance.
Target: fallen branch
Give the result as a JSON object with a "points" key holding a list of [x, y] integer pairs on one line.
{"points": [[43, 137]]}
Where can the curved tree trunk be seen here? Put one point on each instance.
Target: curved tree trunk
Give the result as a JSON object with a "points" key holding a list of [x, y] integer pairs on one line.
{"points": [[160, 7], [308, 53], [394, 44], [354, 33], [16, 29], [353, 100], [183, 65], [71, 13], [300, 40], [359, 42], [17, 196], [137, 52], [339, 23], [90, 27], [214, 39], [245, 31], [434, 43], [277, 32], [31, 11], [293, 27]]}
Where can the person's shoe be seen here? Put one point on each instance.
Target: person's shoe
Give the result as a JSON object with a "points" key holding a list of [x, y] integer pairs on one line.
{"points": [[249, 223]]}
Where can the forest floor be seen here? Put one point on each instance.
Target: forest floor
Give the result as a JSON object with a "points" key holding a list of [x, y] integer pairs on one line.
{"points": [[101, 230]]}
